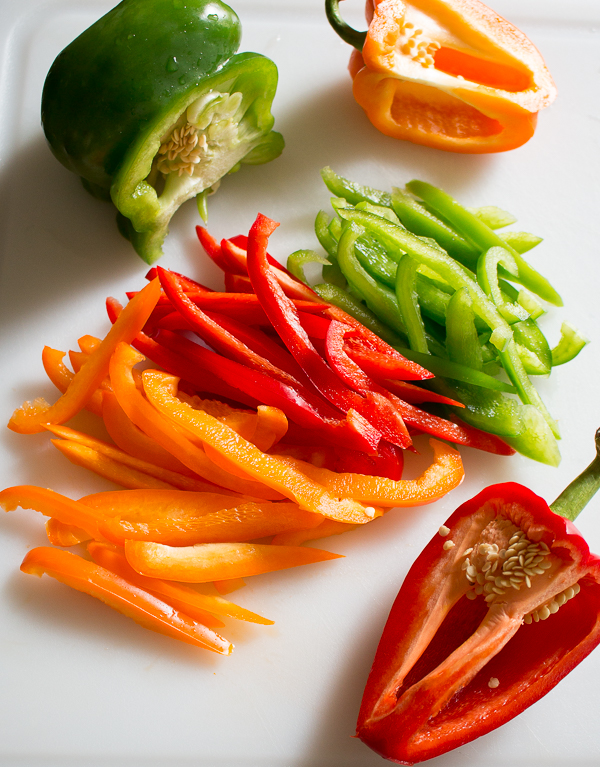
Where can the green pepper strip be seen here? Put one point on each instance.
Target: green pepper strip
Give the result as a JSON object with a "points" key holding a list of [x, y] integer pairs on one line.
{"points": [[458, 277], [481, 235], [462, 341], [408, 303], [421, 222], [492, 216], [521, 241], [443, 368], [297, 260], [570, 344], [353, 192], [533, 347], [326, 239], [487, 277]]}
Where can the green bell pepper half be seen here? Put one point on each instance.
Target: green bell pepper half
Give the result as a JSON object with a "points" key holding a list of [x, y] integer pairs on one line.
{"points": [[151, 105]]}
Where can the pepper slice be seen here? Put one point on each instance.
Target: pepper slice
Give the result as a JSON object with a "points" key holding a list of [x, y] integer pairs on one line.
{"points": [[189, 111], [145, 608], [497, 609], [451, 74]]}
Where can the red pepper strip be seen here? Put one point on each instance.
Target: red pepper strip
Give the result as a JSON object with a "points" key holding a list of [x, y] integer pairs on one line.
{"points": [[31, 418], [215, 335], [414, 417], [213, 249], [114, 559], [202, 380], [389, 461], [150, 421], [237, 283], [61, 377], [217, 561], [450, 668], [284, 318], [444, 474], [51, 504], [481, 440], [140, 605], [415, 394], [298, 404], [380, 364], [161, 390], [188, 283]]}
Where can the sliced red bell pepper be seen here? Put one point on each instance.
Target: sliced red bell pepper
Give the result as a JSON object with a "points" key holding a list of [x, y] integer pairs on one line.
{"points": [[284, 318], [496, 610]]}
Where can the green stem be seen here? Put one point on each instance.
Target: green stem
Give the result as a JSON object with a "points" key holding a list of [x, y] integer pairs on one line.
{"points": [[575, 496], [347, 33]]}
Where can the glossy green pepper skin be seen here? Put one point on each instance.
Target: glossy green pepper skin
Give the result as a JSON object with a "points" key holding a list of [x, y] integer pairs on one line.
{"points": [[117, 105]]}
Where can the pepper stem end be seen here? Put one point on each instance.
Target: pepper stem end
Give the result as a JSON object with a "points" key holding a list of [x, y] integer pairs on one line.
{"points": [[347, 33], [575, 496]]}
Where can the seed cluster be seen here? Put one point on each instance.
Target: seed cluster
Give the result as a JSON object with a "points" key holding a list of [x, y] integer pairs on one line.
{"points": [[414, 44], [492, 570], [182, 150], [551, 607]]}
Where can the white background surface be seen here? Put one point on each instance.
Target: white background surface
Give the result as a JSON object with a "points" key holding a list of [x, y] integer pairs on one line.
{"points": [[82, 685]]}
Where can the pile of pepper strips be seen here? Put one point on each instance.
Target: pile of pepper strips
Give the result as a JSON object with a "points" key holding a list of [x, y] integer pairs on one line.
{"points": [[291, 427]]}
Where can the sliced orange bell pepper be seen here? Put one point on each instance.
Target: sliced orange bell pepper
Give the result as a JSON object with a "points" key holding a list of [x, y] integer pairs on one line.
{"points": [[138, 467], [61, 534], [115, 560], [142, 606], [324, 530], [159, 428], [104, 466], [31, 418], [450, 74], [133, 441], [61, 377], [444, 474], [226, 587], [51, 504], [161, 390], [217, 561]]}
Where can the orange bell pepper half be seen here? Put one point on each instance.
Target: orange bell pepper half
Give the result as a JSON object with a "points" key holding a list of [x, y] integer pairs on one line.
{"points": [[159, 428], [131, 600], [31, 418], [444, 474], [161, 390], [217, 561], [450, 74], [190, 599]]}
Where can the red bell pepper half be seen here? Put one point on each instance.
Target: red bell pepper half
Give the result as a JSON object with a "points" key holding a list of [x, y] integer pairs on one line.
{"points": [[497, 609]]}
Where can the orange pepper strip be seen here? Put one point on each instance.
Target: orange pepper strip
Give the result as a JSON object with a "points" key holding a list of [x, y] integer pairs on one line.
{"points": [[133, 441], [61, 377], [88, 343], [444, 474], [140, 605], [51, 504], [161, 390], [226, 587], [217, 561], [106, 556], [115, 560], [61, 534], [271, 427], [169, 518], [31, 418], [168, 478], [324, 530], [147, 418], [106, 467]]}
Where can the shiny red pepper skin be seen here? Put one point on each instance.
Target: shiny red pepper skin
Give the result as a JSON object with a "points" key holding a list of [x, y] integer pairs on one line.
{"points": [[414, 713]]}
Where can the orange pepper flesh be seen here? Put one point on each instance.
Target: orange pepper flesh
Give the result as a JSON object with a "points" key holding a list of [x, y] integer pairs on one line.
{"points": [[167, 477], [61, 534], [136, 603], [217, 561], [444, 474], [61, 377], [51, 504], [141, 412], [115, 560], [31, 418], [226, 587], [161, 390], [324, 530]]}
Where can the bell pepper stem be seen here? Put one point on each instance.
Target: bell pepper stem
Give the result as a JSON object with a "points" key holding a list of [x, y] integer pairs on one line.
{"points": [[575, 496], [346, 32]]}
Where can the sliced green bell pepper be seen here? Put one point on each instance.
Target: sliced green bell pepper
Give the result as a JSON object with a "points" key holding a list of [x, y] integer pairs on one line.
{"points": [[151, 105]]}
